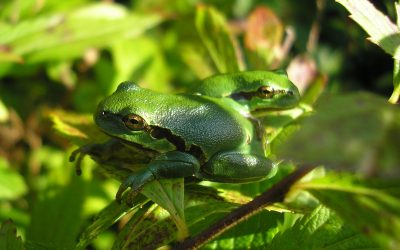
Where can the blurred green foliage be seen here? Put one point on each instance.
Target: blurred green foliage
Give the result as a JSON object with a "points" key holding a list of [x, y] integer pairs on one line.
{"points": [[59, 58]]}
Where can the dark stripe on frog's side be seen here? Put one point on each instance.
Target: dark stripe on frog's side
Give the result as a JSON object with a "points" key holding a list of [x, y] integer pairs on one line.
{"points": [[251, 94], [178, 142]]}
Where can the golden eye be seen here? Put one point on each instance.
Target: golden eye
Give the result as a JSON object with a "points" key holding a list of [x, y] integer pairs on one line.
{"points": [[265, 91], [134, 122]]}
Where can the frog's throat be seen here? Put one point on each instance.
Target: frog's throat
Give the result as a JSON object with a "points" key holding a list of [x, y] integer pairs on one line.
{"points": [[133, 144]]}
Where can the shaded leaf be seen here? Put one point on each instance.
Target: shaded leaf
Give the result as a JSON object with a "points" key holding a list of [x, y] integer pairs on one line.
{"points": [[152, 227], [56, 218], [148, 228], [106, 218], [8, 237], [359, 132]]}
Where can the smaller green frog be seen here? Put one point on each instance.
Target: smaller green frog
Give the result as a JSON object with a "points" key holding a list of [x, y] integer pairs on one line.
{"points": [[258, 91], [193, 135]]}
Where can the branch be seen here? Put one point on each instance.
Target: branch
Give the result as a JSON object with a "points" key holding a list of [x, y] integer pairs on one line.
{"points": [[275, 194]]}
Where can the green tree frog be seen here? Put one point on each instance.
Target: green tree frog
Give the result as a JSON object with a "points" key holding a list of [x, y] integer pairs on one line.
{"points": [[194, 135], [258, 91]]}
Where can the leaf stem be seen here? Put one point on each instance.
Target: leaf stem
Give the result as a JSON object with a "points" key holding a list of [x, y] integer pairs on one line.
{"points": [[394, 98]]}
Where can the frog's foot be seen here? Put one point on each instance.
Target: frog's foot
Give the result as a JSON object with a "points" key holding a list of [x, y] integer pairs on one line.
{"points": [[136, 183], [173, 164], [80, 153]]}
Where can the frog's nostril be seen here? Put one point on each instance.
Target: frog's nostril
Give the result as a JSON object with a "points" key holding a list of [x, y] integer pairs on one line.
{"points": [[290, 92]]}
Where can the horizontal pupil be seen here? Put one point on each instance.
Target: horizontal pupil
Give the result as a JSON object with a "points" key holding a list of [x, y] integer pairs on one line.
{"points": [[134, 121]]}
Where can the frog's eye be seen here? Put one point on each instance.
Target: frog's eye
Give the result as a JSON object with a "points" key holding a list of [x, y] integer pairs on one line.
{"points": [[265, 91], [134, 122]]}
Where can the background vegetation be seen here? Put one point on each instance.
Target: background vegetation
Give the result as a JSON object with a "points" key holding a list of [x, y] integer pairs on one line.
{"points": [[59, 58]]}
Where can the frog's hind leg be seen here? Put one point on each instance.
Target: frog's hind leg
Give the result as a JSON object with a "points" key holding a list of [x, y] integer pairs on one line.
{"points": [[169, 165], [236, 167]]}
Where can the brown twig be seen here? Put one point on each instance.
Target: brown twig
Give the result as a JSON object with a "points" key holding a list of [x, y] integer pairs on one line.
{"points": [[275, 194]]}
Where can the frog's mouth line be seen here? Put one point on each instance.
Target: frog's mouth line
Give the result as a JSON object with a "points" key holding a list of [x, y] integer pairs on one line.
{"points": [[251, 94]]}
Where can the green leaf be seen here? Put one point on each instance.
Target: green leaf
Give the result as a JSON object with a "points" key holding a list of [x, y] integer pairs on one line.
{"points": [[370, 206], [78, 128], [12, 184], [359, 132], [263, 37], [217, 38], [254, 233], [49, 37], [106, 218], [152, 226], [149, 228], [8, 237], [6, 56], [321, 229], [56, 218], [169, 194], [394, 98], [145, 65], [195, 58], [381, 30]]}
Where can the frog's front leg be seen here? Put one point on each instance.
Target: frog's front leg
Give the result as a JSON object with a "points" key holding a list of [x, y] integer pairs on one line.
{"points": [[100, 152], [170, 165], [236, 167]]}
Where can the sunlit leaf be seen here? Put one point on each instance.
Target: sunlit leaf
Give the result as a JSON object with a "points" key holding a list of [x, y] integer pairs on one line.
{"points": [[169, 194], [6, 56], [77, 127], [378, 26], [394, 98], [217, 38], [12, 184], [145, 66], [49, 37], [263, 37]]}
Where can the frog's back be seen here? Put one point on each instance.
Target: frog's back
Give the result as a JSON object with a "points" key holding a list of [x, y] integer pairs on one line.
{"points": [[225, 84], [202, 121], [206, 122]]}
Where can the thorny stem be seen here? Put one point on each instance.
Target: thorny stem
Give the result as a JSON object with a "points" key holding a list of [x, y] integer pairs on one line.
{"points": [[275, 194]]}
